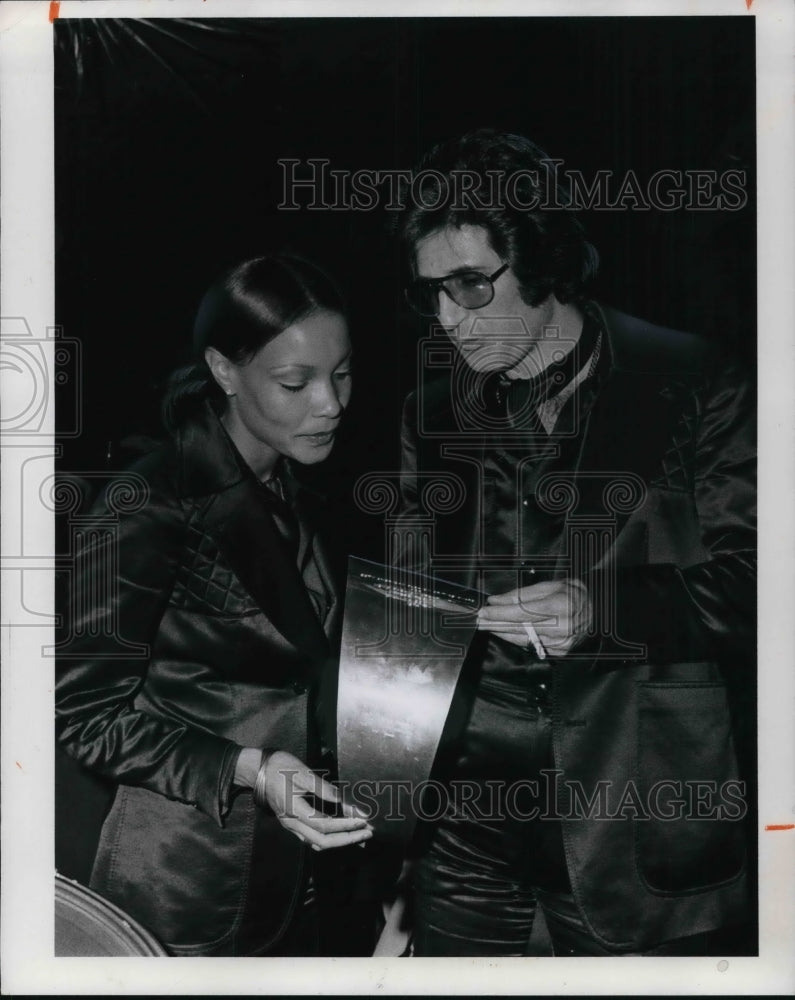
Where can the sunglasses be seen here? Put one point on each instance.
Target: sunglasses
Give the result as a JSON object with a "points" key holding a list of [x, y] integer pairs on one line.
{"points": [[468, 289]]}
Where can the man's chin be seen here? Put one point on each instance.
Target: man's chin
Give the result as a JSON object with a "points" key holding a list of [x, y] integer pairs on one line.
{"points": [[483, 363], [489, 359]]}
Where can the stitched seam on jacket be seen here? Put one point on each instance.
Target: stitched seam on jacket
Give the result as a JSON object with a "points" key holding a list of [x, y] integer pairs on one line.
{"points": [[114, 854], [205, 577], [200, 946], [576, 889], [695, 890], [681, 893], [298, 883]]}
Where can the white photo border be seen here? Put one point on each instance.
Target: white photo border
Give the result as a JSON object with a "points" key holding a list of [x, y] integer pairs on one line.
{"points": [[27, 291]]}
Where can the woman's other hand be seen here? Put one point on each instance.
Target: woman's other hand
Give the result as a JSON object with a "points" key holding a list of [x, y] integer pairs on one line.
{"points": [[288, 786]]}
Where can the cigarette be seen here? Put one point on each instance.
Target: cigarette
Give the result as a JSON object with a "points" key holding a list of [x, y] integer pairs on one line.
{"points": [[536, 643], [532, 635]]}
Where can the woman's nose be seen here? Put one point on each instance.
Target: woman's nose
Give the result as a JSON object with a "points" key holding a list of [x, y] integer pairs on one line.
{"points": [[330, 402]]}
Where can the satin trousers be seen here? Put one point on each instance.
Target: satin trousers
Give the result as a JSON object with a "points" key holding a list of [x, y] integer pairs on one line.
{"points": [[484, 867], [484, 870]]}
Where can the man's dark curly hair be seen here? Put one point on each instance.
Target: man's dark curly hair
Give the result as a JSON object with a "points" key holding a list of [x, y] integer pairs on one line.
{"points": [[544, 241]]}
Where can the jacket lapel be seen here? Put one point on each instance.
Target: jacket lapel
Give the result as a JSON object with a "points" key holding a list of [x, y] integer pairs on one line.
{"points": [[628, 426], [448, 449], [237, 516], [243, 527], [332, 584]]}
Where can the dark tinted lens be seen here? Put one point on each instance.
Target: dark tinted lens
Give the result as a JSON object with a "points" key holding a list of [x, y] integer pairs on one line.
{"points": [[423, 298], [470, 289]]}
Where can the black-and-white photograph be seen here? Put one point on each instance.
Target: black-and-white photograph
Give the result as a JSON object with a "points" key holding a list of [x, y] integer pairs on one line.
{"points": [[397, 452]]}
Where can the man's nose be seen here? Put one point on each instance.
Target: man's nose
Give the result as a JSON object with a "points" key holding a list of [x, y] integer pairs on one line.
{"points": [[451, 315]]}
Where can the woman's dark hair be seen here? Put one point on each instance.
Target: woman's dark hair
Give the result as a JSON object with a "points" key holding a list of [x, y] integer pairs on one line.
{"points": [[250, 304], [507, 185]]}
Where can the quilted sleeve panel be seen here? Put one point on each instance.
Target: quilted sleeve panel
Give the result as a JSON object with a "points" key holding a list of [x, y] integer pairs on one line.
{"points": [[204, 580], [678, 464]]}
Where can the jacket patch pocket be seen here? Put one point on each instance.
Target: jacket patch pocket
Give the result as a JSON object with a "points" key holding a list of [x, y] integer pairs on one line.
{"points": [[174, 869], [692, 837]]}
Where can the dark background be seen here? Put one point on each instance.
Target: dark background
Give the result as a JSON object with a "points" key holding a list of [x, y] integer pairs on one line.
{"points": [[167, 139], [168, 134]]}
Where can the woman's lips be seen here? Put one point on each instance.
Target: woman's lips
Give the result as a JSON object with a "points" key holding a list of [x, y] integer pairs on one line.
{"points": [[321, 438]]}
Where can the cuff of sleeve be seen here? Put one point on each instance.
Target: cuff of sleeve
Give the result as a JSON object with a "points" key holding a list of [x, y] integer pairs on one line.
{"points": [[226, 777], [588, 649]]}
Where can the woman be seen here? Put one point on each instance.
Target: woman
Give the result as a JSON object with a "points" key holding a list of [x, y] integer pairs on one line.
{"points": [[222, 701]]}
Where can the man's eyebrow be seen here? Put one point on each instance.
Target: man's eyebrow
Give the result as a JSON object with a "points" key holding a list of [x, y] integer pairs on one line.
{"points": [[465, 269]]}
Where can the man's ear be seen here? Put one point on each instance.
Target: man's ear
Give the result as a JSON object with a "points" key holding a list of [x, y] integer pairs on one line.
{"points": [[222, 370]]}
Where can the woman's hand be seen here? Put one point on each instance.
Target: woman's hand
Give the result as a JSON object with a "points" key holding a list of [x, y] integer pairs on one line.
{"points": [[559, 611], [287, 785]]}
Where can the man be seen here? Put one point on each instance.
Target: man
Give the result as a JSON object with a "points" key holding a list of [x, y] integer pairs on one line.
{"points": [[606, 469]]}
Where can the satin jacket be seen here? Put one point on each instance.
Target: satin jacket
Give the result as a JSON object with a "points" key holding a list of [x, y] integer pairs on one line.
{"points": [[205, 641], [654, 500]]}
